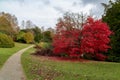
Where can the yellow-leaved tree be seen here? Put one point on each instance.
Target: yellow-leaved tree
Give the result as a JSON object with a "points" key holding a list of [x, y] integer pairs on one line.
{"points": [[29, 37]]}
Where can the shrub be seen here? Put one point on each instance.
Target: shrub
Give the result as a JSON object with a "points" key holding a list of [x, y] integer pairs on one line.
{"points": [[44, 45], [44, 52], [6, 41], [113, 58], [44, 49]]}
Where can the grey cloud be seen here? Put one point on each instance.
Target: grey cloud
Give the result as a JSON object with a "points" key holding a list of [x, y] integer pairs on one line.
{"points": [[59, 9], [21, 1], [31, 9], [94, 1], [99, 9], [46, 2], [76, 3]]}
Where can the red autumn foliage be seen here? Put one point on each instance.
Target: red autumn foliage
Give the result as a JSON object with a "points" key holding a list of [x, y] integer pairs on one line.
{"points": [[95, 38], [92, 39], [67, 42]]}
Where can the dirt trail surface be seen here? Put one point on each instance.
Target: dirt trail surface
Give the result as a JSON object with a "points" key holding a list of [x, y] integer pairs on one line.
{"points": [[12, 69]]}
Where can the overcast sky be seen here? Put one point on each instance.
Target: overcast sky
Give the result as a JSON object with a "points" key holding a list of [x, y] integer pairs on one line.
{"points": [[46, 12]]}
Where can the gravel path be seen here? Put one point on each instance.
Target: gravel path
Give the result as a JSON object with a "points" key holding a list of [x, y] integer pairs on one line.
{"points": [[12, 69]]}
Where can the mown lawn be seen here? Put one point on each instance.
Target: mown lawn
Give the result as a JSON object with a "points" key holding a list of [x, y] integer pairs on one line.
{"points": [[42, 68], [5, 53]]}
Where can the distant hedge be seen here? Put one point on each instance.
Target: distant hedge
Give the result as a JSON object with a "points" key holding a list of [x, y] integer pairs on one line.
{"points": [[6, 41]]}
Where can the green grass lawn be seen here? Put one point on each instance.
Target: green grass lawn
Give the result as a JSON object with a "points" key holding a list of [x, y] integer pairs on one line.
{"points": [[5, 53], [42, 68]]}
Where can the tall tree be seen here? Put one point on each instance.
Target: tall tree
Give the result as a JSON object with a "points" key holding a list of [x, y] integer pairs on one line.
{"points": [[112, 17], [71, 20], [13, 21], [23, 24], [37, 34], [46, 36], [29, 24], [5, 26]]}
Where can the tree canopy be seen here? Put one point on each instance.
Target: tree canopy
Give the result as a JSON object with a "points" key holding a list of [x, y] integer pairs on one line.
{"points": [[112, 18], [8, 24]]}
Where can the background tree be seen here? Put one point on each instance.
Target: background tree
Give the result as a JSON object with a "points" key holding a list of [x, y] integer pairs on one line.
{"points": [[23, 24], [52, 32], [29, 37], [37, 34], [46, 36], [5, 26], [71, 20], [20, 36], [29, 24], [9, 24], [13, 21], [112, 17]]}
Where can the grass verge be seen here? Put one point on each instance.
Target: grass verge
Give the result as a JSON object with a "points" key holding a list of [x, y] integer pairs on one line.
{"points": [[42, 68], [5, 53]]}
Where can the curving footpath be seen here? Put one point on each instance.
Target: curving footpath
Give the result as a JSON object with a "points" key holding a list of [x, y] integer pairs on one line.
{"points": [[12, 69]]}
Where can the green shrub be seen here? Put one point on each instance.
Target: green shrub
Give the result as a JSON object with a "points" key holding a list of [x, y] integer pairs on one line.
{"points": [[6, 41], [113, 58]]}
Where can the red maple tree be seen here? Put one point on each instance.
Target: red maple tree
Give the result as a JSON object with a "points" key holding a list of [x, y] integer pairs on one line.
{"points": [[96, 39], [92, 39]]}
